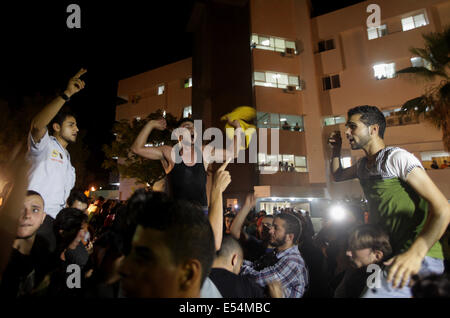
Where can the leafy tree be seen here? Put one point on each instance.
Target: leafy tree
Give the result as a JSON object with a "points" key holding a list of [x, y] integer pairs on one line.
{"points": [[434, 104], [130, 165]]}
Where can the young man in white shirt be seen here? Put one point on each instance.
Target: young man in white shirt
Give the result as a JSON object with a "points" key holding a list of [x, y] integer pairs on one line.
{"points": [[52, 174]]}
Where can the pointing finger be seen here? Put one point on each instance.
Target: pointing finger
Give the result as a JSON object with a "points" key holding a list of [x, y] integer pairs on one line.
{"points": [[225, 164], [80, 72]]}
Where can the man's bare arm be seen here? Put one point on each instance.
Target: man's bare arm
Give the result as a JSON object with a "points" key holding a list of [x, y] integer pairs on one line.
{"points": [[238, 222], [409, 263], [153, 153], [44, 117], [222, 179]]}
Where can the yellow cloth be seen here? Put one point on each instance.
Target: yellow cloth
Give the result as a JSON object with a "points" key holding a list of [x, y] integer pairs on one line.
{"points": [[242, 114]]}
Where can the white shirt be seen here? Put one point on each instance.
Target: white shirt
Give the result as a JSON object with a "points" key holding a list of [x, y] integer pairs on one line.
{"points": [[391, 162], [52, 174], [209, 290]]}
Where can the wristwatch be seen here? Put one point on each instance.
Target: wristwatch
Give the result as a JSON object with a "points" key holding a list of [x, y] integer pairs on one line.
{"points": [[65, 97]]}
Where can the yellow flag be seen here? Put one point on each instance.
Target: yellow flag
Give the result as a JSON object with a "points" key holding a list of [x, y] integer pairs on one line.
{"points": [[242, 114]]}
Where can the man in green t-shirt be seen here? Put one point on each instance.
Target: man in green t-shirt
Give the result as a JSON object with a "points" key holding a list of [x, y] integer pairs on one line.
{"points": [[402, 199]]}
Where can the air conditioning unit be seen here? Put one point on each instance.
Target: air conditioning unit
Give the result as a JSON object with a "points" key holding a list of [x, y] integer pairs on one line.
{"points": [[135, 99], [290, 51], [290, 89]]}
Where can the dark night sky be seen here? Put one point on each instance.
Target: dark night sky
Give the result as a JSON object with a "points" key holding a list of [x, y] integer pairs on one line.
{"points": [[116, 40]]}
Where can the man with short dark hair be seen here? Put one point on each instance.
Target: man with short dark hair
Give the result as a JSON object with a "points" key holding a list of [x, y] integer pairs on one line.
{"points": [[19, 276], [52, 174], [287, 265], [225, 270], [187, 179], [78, 200], [172, 250], [402, 199]]}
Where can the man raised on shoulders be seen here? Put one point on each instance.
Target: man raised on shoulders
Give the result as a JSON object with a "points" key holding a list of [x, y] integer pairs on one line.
{"points": [[402, 199]]}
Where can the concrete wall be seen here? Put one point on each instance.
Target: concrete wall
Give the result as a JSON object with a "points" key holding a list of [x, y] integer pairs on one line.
{"points": [[145, 85]]}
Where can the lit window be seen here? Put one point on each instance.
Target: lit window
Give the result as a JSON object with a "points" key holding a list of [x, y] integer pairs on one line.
{"points": [[293, 80], [187, 112], [377, 32], [420, 62], [300, 164], [272, 44], [346, 162], [188, 82], [413, 22], [254, 40], [161, 89], [282, 162], [382, 71], [280, 45], [260, 76], [417, 62], [334, 120], [280, 121], [280, 80]]}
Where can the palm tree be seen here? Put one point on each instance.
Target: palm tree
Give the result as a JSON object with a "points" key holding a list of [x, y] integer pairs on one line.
{"points": [[434, 104]]}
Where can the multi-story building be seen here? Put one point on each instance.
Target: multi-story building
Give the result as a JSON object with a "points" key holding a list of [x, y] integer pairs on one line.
{"points": [[302, 75], [168, 88], [307, 73]]}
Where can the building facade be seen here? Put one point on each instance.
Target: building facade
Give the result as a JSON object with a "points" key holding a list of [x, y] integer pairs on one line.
{"points": [[302, 75]]}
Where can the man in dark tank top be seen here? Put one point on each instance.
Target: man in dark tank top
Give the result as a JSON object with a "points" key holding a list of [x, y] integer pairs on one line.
{"points": [[187, 177]]}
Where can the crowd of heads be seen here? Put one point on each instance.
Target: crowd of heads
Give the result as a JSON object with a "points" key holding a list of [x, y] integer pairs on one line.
{"points": [[155, 246]]}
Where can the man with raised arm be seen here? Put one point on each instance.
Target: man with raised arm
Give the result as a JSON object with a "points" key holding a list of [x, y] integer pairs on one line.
{"points": [[187, 179], [402, 199], [52, 174]]}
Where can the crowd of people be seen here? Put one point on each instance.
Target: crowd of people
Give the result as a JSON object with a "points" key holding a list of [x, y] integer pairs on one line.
{"points": [[180, 245]]}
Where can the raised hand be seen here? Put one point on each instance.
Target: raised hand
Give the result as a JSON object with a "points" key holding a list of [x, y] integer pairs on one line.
{"points": [[75, 83], [222, 177], [335, 140], [250, 201], [159, 124]]}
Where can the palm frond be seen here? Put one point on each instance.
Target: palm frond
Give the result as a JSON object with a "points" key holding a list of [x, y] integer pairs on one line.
{"points": [[420, 71], [416, 106], [444, 93]]}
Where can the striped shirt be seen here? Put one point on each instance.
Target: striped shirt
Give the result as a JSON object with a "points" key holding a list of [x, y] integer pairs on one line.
{"points": [[290, 270]]}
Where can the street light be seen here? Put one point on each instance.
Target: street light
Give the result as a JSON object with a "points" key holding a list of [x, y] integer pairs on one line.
{"points": [[337, 213]]}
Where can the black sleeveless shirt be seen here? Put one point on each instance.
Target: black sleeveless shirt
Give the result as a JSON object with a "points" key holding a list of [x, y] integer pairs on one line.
{"points": [[189, 183]]}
